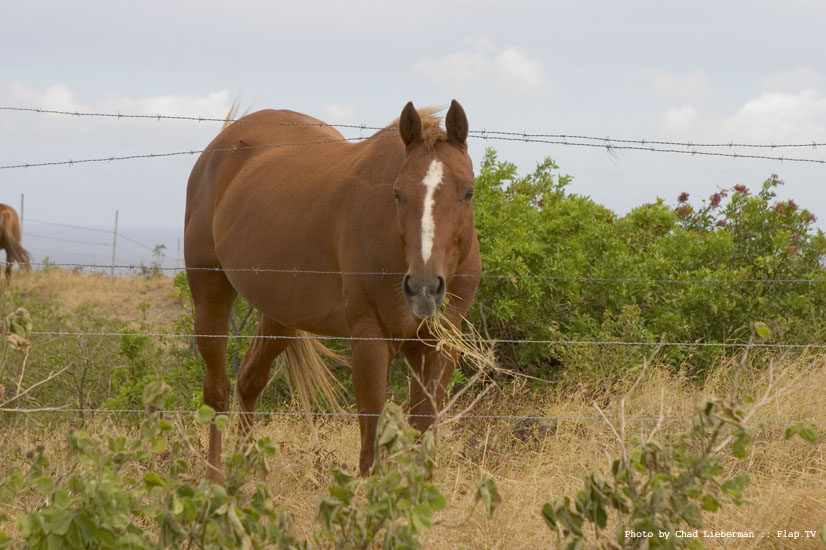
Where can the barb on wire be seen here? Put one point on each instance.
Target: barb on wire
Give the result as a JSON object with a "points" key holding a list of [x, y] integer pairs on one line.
{"points": [[506, 276], [425, 340]]}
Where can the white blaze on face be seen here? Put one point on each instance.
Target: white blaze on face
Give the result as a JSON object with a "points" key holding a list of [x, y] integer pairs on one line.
{"points": [[431, 181]]}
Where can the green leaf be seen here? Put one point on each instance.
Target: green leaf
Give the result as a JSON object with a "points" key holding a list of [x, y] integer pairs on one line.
{"points": [[422, 517], [204, 414], [488, 492], [155, 394], [153, 479], [549, 515], [221, 422], [159, 445], [434, 498], [710, 503], [28, 525], [54, 542], [761, 329], [740, 448], [44, 485]]}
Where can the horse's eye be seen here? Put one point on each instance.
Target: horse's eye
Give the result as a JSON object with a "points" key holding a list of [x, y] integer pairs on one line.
{"points": [[398, 197], [469, 195]]}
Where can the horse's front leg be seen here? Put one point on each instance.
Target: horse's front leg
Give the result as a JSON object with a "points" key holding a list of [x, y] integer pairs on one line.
{"points": [[370, 361], [430, 373]]}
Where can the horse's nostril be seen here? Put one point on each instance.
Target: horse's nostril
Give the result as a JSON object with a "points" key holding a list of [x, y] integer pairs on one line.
{"points": [[441, 289], [405, 286]]}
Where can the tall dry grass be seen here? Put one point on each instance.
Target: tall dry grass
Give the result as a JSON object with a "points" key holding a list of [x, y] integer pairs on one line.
{"points": [[112, 297], [534, 460]]}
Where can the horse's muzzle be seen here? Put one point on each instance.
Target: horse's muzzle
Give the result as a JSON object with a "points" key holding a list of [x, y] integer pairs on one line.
{"points": [[424, 295]]}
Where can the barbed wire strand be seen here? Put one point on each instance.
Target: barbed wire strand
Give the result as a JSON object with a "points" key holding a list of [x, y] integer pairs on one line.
{"points": [[181, 153], [432, 340], [83, 228], [296, 271], [609, 147], [479, 133], [73, 241]]}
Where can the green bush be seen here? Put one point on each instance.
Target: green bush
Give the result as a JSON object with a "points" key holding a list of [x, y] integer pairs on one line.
{"points": [[655, 491], [139, 493], [567, 269]]}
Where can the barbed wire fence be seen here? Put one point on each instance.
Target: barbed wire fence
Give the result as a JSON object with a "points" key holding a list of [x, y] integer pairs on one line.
{"points": [[609, 144], [573, 140]]}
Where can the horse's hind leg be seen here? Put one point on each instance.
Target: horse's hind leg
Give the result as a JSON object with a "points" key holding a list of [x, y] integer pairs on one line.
{"points": [[257, 364], [213, 297]]}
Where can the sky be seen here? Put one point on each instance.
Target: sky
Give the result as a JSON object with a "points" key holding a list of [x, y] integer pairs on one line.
{"points": [[715, 72]]}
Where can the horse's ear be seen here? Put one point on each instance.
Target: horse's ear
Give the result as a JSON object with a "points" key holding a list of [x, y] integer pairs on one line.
{"points": [[456, 123], [410, 125]]}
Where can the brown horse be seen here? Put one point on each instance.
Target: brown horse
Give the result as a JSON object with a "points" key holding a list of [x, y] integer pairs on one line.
{"points": [[10, 240], [378, 233]]}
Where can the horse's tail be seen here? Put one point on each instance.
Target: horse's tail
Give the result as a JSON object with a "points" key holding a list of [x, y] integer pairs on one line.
{"points": [[14, 250], [312, 382]]}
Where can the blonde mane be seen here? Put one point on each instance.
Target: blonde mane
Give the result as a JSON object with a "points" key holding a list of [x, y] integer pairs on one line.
{"points": [[432, 132]]}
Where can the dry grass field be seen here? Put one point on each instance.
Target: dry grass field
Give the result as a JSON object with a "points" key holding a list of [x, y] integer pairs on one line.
{"points": [[530, 461]]}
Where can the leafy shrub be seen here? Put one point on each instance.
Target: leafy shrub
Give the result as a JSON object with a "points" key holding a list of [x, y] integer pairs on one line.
{"points": [[396, 500], [567, 269], [655, 490], [106, 503]]}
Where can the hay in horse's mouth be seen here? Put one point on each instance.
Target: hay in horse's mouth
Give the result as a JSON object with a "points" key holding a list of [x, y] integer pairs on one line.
{"points": [[475, 350]]}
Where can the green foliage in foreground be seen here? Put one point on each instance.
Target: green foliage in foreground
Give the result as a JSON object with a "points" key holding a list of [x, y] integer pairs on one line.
{"points": [[140, 493], [570, 269], [399, 489], [118, 498], [655, 490]]}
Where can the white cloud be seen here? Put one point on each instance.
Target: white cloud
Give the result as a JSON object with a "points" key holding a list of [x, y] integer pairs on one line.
{"points": [[678, 120], [59, 97], [776, 116], [773, 117], [212, 105], [681, 87], [340, 114], [456, 72], [511, 73], [519, 76]]}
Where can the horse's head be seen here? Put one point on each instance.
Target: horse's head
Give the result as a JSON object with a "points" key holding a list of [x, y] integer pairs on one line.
{"points": [[434, 211]]}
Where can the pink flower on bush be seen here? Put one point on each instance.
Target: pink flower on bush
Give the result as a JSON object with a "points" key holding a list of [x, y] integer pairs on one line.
{"points": [[721, 223], [683, 211], [715, 199], [740, 188], [683, 197]]}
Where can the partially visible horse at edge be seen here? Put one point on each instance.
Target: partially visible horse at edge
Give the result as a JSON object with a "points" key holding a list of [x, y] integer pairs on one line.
{"points": [[378, 232], [10, 240]]}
